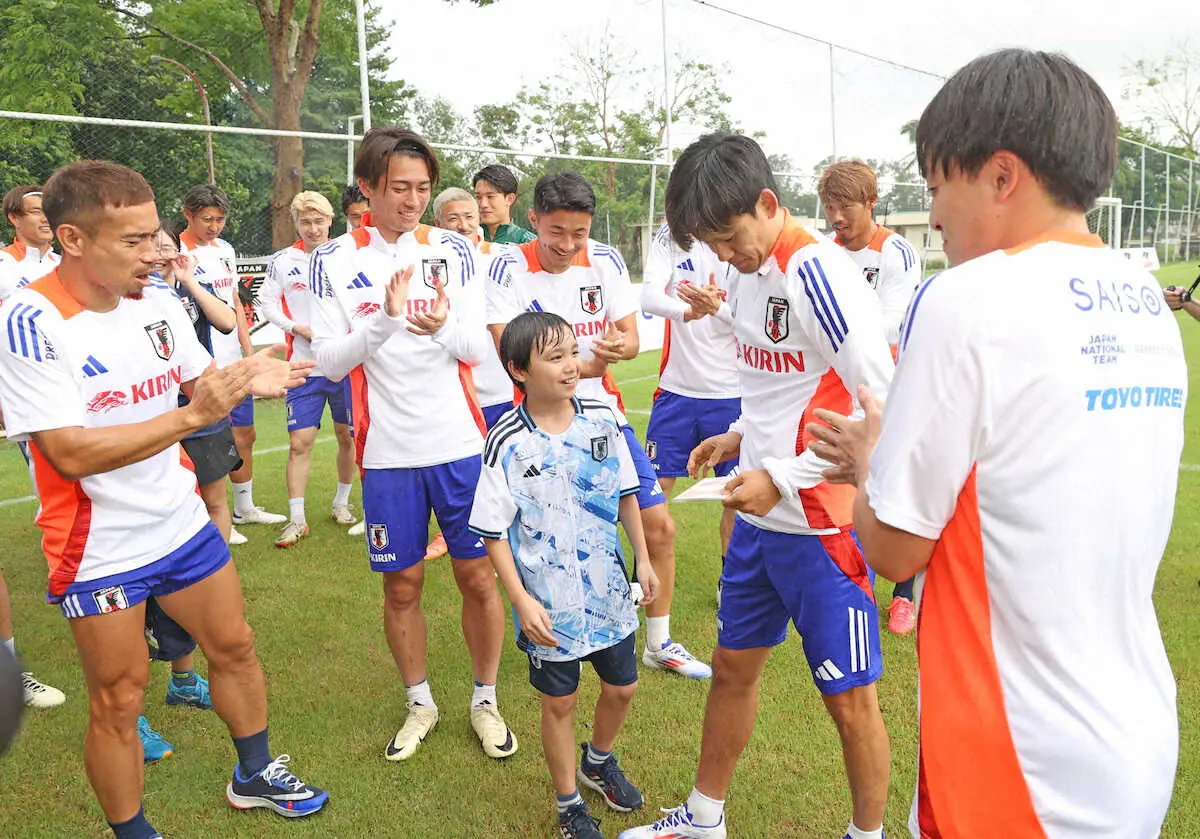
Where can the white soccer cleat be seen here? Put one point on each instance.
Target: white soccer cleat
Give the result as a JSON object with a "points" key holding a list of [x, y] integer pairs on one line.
{"points": [[236, 538], [494, 734], [292, 533], [675, 658], [257, 515], [421, 721], [359, 529], [342, 515], [676, 824], [38, 695]]}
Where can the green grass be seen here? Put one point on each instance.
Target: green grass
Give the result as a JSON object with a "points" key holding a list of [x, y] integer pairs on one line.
{"points": [[336, 698]]}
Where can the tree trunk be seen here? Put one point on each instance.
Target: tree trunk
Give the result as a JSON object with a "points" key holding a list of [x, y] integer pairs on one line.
{"points": [[289, 166]]}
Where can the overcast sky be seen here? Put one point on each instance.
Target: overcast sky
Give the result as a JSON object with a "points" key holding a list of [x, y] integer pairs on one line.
{"points": [[780, 83]]}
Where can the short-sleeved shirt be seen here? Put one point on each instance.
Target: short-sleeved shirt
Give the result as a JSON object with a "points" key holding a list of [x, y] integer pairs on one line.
{"points": [[1036, 436], [892, 268], [62, 366], [216, 266], [286, 300], [592, 293], [508, 234], [21, 265], [556, 498]]}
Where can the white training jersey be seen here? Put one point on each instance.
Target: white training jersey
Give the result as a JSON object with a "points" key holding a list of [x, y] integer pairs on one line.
{"points": [[216, 265], [414, 395], [809, 333], [593, 292], [62, 366], [491, 382], [891, 267], [699, 358], [285, 299], [1036, 436], [20, 265]]}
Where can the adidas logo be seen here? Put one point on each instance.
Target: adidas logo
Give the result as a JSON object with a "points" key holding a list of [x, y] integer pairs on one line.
{"points": [[93, 367], [828, 672], [532, 472], [686, 265], [360, 281], [295, 272]]}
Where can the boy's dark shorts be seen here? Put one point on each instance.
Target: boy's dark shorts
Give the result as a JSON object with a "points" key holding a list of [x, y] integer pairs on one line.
{"points": [[167, 640], [213, 455], [615, 665]]}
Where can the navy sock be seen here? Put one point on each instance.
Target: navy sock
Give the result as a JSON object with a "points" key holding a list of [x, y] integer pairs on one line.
{"points": [[181, 679], [253, 754], [595, 757], [135, 828]]}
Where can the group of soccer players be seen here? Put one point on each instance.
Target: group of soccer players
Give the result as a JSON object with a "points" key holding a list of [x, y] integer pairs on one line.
{"points": [[1047, 704]]}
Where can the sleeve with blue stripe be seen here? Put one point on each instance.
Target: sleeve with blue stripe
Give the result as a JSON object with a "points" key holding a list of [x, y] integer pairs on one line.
{"points": [[37, 387]]}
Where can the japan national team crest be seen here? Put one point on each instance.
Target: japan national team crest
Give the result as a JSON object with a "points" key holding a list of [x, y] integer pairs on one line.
{"points": [[110, 599], [872, 275], [599, 449], [434, 271], [162, 338], [651, 449], [228, 265], [591, 298], [378, 535], [777, 319]]}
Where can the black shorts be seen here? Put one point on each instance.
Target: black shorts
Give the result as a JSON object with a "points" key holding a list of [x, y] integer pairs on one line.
{"points": [[615, 665], [214, 455], [167, 639]]}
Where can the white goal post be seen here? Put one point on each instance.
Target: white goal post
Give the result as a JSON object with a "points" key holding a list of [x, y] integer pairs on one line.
{"points": [[1104, 219]]}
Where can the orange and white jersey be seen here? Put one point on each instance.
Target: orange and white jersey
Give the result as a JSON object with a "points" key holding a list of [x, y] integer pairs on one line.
{"points": [[20, 265], [414, 395], [216, 264], [809, 333], [1036, 436], [286, 300], [491, 382], [699, 358], [891, 266], [593, 292], [62, 366]]}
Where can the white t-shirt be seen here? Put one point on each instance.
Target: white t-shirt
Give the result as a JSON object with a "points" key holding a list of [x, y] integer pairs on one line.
{"points": [[414, 395], [699, 358], [21, 265], [491, 382], [287, 301], [62, 366], [1034, 429], [216, 265], [891, 267], [593, 292]]}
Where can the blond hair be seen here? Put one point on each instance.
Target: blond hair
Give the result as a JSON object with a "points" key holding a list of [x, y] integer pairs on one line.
{"points": [[848, 182], [305, 202]]}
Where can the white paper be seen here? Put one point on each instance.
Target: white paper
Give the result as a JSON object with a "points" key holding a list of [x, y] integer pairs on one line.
{"points": [[708, 489]]}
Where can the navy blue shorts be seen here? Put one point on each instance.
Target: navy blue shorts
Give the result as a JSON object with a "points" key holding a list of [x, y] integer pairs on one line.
{"points": [[306, 404], [492, 413], [242, 415], [821, 584], [396, 506], [167, 639], [680, 423], [650, 493], [615, 665]]}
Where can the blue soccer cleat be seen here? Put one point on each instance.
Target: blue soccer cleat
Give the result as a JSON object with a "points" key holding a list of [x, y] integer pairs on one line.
{"points": [[154, 746], [194, 694], [277, 788]]}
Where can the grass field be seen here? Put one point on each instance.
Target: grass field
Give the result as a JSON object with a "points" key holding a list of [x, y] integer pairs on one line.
{"points": [[336, 698]]}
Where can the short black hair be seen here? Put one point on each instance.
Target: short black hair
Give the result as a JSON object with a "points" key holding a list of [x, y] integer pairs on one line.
{"points": [[498, 176], [380, 144], [718, 177], [172, 230], [205, 195], [352, 195], [80, 193], [527, 333], [1040, 106], [14, 199], [564, 191]]}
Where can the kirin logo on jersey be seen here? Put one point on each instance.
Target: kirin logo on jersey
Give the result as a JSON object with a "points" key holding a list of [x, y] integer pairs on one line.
{"points": [[378, 535], [599, 449], [106, 400], [111, 599], [434, 271], [591, 298], [162, 339], [365, 310], [872, 275], [777, 319], [157, 385]]}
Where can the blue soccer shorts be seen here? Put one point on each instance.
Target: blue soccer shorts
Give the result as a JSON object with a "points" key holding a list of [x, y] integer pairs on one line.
{"points": [[196, 559], [242, 415], [821, 584], [650, 493], [306, 404], [396, 506], [680, 423]]}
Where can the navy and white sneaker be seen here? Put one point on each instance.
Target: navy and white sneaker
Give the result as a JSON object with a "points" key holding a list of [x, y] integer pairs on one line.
{"points": [[577, 823], [276, 787], [609, 780]]}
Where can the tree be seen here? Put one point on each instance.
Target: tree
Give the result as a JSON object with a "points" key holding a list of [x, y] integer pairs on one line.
{"points": [[1167, 90]]}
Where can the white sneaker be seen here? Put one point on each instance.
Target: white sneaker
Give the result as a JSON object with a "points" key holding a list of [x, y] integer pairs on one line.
{"points": [[494, 734], [342, 515], [421, 720], [236, 538], [675, 658], [38, 695], [358, 529], [676, 824], [292, 533], [257, 515]]}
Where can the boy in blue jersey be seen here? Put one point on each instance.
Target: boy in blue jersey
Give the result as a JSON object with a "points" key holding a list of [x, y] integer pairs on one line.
{"points": [[557, 476]]}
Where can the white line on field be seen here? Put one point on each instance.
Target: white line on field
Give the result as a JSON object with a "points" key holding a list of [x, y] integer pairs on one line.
{"points": [[637, 379], [638, 412], [24, 499]]}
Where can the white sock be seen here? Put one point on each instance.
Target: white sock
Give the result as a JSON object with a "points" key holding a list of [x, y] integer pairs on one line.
{"points": [[243, 496], [855, 832], [342, 496], [706, 812], [296, 510], [11, 646], [420, 694], [658, 632], [482, 694]]}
